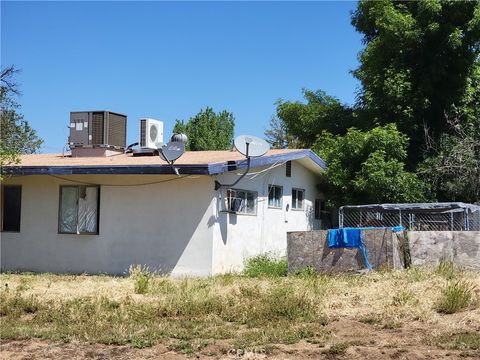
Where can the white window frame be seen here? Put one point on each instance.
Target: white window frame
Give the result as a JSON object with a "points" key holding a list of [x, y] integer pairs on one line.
{"points": [[295, 199], [275, 188], [245, 193]]}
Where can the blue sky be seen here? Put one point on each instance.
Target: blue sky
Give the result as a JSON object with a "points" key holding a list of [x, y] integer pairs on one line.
{"points": [[168, 60]]}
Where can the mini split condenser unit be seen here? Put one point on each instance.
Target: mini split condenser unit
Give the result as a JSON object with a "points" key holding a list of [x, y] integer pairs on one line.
{"points": [[151, 133], [90, 129]]}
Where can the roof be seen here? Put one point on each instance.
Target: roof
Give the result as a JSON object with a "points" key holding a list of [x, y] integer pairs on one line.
{"points": [[192, 162]]}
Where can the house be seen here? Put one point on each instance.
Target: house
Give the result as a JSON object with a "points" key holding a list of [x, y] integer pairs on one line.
{"points": [[101, 214]]}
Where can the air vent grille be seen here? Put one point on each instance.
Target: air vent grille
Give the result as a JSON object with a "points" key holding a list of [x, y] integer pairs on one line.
{"points": [[288, 169], [143, 135], [97, 128], [116, 130]]}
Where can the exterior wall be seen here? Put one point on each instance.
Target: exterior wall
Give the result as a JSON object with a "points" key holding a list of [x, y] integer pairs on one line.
{"points": [[310, 248], [237, 236], [430, 247], [166, 226]]}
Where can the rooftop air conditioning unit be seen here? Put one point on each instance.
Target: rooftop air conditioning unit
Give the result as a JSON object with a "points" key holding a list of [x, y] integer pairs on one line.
{"points": [[151, 133], [89, 129]]}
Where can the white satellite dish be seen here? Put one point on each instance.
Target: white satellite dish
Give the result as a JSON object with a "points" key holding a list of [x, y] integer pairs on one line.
{"points": [[171, 151], [251, 146]]}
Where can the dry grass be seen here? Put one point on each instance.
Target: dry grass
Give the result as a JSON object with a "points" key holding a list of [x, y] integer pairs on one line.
{"points": [[186, 314]]}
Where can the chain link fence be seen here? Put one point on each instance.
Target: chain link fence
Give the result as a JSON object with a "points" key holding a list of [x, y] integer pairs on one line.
{"points": [[415, 217]]}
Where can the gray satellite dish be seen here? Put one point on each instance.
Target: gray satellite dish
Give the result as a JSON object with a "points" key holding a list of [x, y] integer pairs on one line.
{"points": [[251, 146], [171, 151]]}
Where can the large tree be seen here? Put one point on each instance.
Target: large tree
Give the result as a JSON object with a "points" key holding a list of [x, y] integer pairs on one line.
{"points": [[368, 167], [208, 130], [418, 60], [16, 135], [298, 123]]}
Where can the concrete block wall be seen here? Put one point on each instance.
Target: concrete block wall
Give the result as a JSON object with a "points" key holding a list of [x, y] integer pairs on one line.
{"points": [[310, 248], [430, 247]]}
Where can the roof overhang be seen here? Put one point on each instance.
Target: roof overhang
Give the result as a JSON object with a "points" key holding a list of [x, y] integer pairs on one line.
{"points": [[307, 157]]}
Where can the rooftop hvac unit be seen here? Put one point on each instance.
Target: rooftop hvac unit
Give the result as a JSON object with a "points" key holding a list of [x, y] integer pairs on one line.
{"points": [[151, 133], [98, 129]]}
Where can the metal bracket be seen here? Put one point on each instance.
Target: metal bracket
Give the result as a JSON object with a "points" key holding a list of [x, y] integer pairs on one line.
{"points": [[219, 186]]}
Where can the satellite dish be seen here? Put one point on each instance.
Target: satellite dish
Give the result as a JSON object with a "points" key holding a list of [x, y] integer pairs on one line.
{"points": [[172, 151], [251, 146]]}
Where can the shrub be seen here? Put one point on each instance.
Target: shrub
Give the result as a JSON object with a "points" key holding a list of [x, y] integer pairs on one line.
{"points": [[456, 296], [266, 265], [141, 276]]}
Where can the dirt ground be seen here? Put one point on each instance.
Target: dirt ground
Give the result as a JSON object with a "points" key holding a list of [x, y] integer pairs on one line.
{"points": [[365, 342]]}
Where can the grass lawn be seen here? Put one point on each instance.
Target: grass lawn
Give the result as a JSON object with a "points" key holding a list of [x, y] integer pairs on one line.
{"points": [[384, 314]]}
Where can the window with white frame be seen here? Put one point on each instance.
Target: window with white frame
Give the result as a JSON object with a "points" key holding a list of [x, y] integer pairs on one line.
{"points": [[78, 212], [241, 201], [275, 194], [298, 199]]}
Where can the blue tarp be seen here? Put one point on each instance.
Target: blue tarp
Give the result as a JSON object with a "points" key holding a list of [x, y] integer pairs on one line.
{"points": [[352, 238]]}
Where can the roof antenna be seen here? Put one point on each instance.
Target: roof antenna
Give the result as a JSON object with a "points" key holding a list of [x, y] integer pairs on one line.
{"points": [[250, 146]]}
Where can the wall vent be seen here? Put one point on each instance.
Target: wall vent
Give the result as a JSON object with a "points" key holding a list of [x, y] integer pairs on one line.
{"points": [[288, 169]]}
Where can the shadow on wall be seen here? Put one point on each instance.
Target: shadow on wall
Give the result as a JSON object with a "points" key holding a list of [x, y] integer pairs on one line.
{"points": [[164, 235]]}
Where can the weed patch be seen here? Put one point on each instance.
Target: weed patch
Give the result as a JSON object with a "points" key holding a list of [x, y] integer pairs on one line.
{"points": [[455, 297], [141, 276], [265, 265], [456, 341], [336, 349]]}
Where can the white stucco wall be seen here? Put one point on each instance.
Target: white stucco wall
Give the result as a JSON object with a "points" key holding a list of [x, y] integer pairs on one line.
{"points": [[175, 226], [166, 226], [237, 237]]}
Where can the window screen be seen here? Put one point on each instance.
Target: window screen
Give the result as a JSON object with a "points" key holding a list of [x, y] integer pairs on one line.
{"points": [[79, 209], [275, 194], [11, 207], [298, 199]]}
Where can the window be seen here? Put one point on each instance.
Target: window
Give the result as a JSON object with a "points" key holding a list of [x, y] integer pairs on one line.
{"points": [[298, 196], [241, 201], [78, 213], [11, 207], [319, 208], [275, 194], [288, 169]]}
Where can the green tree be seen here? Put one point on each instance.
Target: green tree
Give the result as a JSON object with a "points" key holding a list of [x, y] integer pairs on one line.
{"points": [[299, 123], [208, 130], [367, 167], [454, 167], [418, 61], [278, 137], [16, 135]]}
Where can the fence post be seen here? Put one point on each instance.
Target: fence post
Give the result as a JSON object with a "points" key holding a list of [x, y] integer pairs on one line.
{"points": [[467, 225], [340, 217], [400, 212]]}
